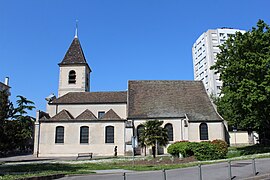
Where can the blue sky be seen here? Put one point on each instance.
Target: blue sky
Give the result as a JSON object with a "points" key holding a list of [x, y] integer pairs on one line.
{"points": [[122, 39]]}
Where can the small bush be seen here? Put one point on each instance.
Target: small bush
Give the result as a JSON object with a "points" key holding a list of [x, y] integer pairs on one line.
{"points": [[178, 147], [221, 148], [205, 151]]}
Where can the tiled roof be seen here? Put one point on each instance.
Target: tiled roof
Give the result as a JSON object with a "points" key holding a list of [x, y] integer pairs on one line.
{"points": [[170, 99], [3, 86], [74, 55], [86, 115], [92, 98], [43, 115], [62, 115], [110, 115]]}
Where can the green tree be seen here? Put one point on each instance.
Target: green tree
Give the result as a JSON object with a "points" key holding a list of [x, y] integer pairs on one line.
{"points": [[244, 67], [16, 128], [23, 105], [154, 134], [6, 107], [6, 112]]}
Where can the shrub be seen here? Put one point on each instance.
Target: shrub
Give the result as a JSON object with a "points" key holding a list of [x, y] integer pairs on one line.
{"points": [[178, 147], [221, 148], [204, 151], [201, 150]]}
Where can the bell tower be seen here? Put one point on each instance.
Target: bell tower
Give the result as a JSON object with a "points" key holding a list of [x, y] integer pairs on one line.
{"points": [[74, 75]]}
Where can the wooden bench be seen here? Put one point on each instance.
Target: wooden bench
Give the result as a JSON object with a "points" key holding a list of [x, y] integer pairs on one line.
{"points": [[90, 155]]}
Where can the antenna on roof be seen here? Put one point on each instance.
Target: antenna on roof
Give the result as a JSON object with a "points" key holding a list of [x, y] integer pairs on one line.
{"points": [[76, 30]]}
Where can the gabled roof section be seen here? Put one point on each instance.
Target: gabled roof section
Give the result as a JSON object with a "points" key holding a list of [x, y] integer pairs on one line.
{"points": [[110, 115], [170, 99], [62, 115], [119, 97], [43, 115], [74, 55], [86, 115]]}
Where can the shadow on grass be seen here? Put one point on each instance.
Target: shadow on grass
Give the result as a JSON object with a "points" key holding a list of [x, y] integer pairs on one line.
{"points": [[254, 149], [49, 168]]}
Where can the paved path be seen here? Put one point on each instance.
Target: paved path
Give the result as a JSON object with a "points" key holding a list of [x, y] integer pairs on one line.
{"points": [[240, 170]]}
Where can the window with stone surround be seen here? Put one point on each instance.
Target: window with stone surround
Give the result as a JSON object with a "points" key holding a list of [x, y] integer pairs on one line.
{"points": [[59, 134], [109, 134]]}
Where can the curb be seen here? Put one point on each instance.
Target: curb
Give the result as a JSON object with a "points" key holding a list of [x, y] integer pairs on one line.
{"points": [[265, 176]]}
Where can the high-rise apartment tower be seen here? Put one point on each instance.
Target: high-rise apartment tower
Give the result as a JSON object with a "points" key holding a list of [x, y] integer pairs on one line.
{"points": [[204, 52]]}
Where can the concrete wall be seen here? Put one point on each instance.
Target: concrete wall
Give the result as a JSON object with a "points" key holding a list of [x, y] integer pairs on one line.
{"points": [[215, 131], [72, 146], [76, 110], [191, 132], [241, 138], [82, 75]]}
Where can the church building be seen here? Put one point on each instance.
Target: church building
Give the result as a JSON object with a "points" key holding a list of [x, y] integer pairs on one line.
{"points": [[80, 121]]}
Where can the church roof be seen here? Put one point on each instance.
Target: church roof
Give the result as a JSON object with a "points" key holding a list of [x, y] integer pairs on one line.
{"points": [[92, 98], [86, 115], [170, 99], [74, 55], [62, 115], [110, 115], [3, 86]]}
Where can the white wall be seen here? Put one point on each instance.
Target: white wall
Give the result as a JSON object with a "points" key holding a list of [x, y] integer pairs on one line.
{"points": [[76, 110], [72, 146], [215, 131], [81, 76], [241, 138]]}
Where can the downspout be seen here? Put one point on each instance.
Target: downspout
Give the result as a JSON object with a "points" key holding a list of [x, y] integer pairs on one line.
{"points": [[37, 134], [181, 129], [125, 137], [38, 138], [187, 125], [56, 108]]}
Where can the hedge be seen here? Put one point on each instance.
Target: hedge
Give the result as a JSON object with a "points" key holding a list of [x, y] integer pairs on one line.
{"points": [[206, 150]]}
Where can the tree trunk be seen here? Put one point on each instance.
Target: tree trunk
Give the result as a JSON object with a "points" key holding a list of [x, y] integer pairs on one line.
{"points": [[250, 137], [144, 150], [154, 151]]}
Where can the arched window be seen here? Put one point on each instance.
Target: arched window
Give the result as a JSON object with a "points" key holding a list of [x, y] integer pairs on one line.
{"points": [[169, 128], [140, 129], [84, 134], [72, 77], [59, 134], [203, 131], [109, 134]]}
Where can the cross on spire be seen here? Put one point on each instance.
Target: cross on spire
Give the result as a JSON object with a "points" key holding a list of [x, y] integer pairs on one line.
{"points": [[76, 30]]}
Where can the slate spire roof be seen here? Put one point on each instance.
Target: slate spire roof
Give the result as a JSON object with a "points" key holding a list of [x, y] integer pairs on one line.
{"points": [[74, 55]]}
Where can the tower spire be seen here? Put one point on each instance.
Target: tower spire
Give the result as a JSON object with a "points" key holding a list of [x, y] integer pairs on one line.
{"points": [[76, 30]]}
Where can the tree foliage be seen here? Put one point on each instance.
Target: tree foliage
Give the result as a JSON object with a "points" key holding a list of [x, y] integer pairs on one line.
{"points": [[16, 128], [244, 67], [153, 134]]}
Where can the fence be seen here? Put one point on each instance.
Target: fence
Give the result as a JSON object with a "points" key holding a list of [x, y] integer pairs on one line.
{"points": [[250, 170]]}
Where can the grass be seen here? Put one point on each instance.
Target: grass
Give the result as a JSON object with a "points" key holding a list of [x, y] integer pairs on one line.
{"points": [[11, 171], [247, 150]]}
